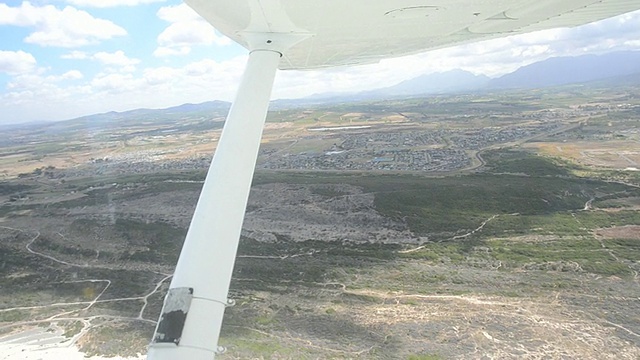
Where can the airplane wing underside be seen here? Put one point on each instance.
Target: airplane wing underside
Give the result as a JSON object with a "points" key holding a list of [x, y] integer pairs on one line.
{"points": [[364, 31]]}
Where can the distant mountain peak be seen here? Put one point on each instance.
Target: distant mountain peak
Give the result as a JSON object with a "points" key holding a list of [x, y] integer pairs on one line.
{"points": [[571, 69], [440, 82]]}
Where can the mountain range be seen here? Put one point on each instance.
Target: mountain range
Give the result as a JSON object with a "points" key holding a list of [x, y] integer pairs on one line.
{"points": [[617, 68], [570, 70]]}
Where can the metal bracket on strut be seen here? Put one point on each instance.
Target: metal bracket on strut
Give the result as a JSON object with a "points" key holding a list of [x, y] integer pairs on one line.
{"points": [[226, 304], [222, 349], [173, 317]]}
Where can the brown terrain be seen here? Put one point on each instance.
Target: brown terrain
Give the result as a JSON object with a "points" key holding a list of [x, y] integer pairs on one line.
{"points": [[524, 244]]}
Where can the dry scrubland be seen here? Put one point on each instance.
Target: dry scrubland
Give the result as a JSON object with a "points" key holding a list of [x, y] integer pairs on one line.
{"points": [[525, 243]]}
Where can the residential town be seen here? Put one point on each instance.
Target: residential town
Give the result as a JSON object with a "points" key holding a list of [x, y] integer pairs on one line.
{"points": [[383, 149]]}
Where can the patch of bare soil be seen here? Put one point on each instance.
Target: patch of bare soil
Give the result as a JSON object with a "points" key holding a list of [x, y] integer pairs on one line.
{"points": [[359, 320], [318, 212], [499, 328], [631, 232], [286, 211], [174, 207]]}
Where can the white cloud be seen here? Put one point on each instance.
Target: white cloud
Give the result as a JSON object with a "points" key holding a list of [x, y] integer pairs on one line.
{"points": [[67, 27], [116, 83], [35, 82], [111, 3], [75, 55], [71, 75], [201, 80], [187, 29], [16, 62], [178, 13], [35, 97], [162, 51], [117, 58], [160, 76], [47, 97]]}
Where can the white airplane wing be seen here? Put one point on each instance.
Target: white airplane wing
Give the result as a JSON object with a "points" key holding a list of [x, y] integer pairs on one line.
{"points": [[348, 32]]}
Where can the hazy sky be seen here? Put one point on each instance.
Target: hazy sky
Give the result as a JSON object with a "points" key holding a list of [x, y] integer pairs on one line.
{"points": [[62, 59]]}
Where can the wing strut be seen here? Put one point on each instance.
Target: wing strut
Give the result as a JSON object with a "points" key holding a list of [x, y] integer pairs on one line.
{"points": [[189, 325]]}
